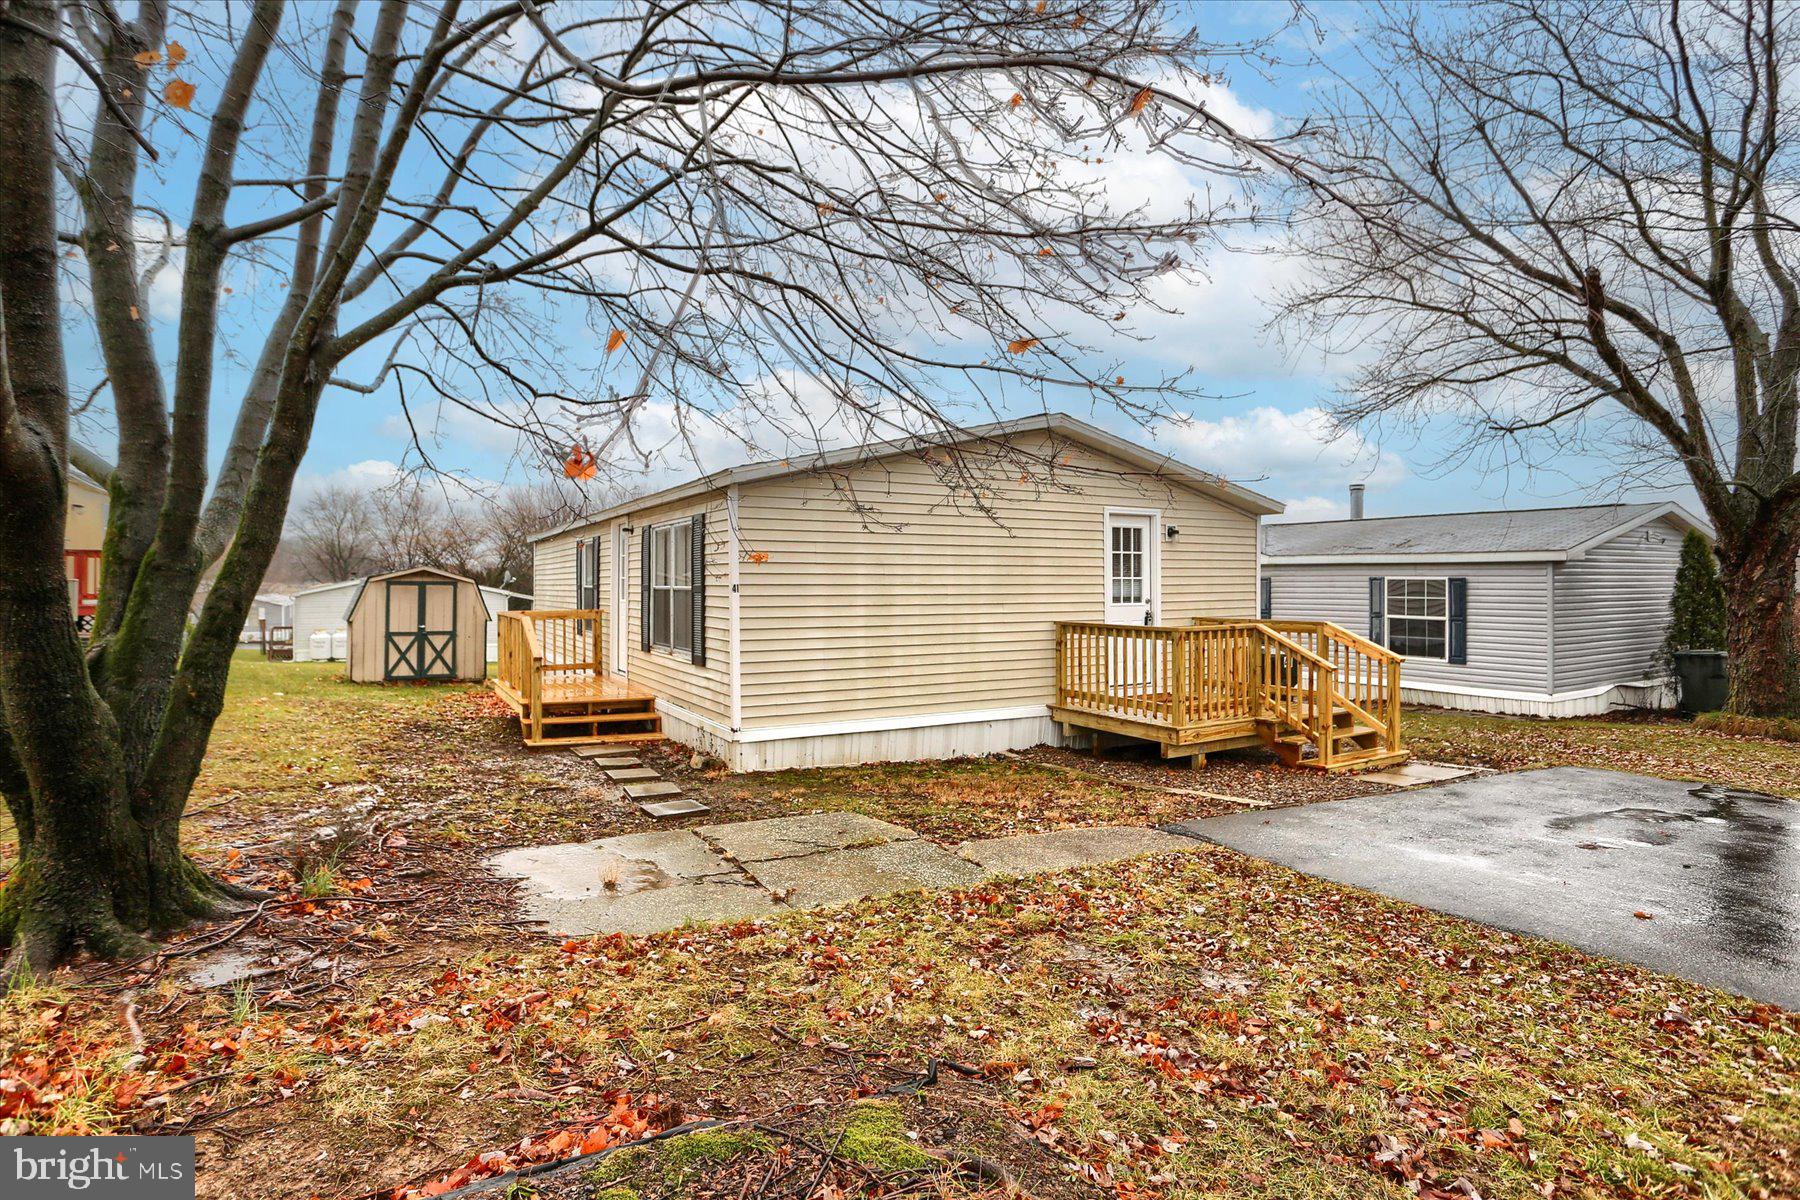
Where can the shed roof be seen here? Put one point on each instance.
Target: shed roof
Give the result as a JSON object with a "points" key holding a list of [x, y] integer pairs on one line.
{"points": [[1517, 535], [1236, 495], [365, 581]]}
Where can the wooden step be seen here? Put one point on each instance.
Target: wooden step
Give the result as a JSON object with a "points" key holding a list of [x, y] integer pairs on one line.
{"points": [[1338, 732], [599, 718], [1361, 761], [593, 739]]}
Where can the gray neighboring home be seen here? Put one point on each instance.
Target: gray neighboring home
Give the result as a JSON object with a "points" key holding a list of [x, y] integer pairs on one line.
{"points": [[1550, 612]]}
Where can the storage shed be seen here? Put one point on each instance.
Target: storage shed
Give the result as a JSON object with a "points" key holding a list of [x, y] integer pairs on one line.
{"points": [[325, 608], [417, 624], [1549, 612]]}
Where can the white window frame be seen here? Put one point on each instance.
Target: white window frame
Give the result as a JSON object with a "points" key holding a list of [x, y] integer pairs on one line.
{"points": [[679, 532], [1387, 614]]}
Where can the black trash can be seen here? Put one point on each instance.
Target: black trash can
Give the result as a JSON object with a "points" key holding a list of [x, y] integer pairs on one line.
{"points": [[1704, 685]]}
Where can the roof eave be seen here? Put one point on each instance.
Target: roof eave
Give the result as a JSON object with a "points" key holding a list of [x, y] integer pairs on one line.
{"points": [[1394, 556], [1235, 495]]}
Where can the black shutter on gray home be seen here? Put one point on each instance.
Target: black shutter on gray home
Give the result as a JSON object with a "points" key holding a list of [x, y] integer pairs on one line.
{"points": [[644, 567], [1265, 606], [1458, 640], [697, 577], [1377, 610]]}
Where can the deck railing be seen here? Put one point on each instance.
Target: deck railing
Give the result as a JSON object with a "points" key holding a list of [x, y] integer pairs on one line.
{"points": [[1216, 672], [546, 646]]}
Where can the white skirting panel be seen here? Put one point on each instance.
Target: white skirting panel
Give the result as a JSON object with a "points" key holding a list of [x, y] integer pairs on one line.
{"points": [[1592, 702], [911, 738]]}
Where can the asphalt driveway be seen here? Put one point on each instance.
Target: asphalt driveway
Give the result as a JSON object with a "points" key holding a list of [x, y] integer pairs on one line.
{"points": [[1571, 854]]}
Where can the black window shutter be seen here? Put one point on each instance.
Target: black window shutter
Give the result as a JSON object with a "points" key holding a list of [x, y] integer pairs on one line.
{"points": [[644, 567], [1265, 607], [697, 577], [1377, 610], [1458, 648]]}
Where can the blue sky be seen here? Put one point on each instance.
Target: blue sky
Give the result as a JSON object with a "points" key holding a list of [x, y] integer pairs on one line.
{"points": [[1263, 427]]}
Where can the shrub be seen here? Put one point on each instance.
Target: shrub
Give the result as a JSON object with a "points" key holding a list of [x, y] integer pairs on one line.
{"points": [[1697, 606]]}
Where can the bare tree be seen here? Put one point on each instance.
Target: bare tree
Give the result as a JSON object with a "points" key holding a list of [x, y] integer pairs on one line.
{"points": [[333, 535], [1565, 222], [719, 199]]}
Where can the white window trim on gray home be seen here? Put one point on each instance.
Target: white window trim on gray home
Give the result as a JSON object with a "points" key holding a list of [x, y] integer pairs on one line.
{"points": [[1549, 612], [818, 621]]}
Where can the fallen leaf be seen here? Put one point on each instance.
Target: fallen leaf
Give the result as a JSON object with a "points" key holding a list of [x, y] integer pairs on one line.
{"points": [[179, 92], [1020, 345], [1641, 915], [1141, 101]]}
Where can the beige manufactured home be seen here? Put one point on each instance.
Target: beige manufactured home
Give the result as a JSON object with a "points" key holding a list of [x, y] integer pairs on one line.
{"points": [[856, 608]]}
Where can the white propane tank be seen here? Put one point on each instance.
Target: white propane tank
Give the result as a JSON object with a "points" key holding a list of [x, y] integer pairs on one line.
{"points": [[318, 646], [340, 643]]}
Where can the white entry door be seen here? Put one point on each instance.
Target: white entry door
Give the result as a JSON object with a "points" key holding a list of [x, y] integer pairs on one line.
{"points": [[1130, 568], [621, 601]]}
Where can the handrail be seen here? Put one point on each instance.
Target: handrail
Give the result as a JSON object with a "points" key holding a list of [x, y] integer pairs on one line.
{"points": [[546, 645], [1214, 670]]}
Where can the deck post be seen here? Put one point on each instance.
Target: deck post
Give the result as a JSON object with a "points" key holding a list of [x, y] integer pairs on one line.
{"points": [[1178, 681], [1393, 704], [1322, 715]]}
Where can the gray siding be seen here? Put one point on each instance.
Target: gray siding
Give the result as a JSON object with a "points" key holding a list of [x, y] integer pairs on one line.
{"points": [[1612, 608], [1509, 623], [320, 610]]}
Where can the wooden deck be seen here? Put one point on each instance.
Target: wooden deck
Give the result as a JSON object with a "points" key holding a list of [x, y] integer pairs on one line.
{"points": [[550, 675], [1318, 695]]}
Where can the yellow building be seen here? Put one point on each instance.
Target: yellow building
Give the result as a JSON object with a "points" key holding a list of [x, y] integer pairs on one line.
{"points": [[83, 537]]}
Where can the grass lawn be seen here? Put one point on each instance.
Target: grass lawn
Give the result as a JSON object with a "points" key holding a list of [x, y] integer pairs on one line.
{"points": [[1665, 746], [1195, 1023]]}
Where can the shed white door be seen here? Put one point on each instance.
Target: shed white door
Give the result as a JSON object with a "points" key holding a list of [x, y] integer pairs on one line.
{"points": [[1130, 568]]}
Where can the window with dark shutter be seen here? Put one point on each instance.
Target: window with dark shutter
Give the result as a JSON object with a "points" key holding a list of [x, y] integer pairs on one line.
{"points": [[1418, 617], [1265, 608], [674, 618], [1378, 610]]}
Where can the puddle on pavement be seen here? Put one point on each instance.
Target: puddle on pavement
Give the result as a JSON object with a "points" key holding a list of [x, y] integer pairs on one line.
{"points": [[1742, 812], [620, 876]]}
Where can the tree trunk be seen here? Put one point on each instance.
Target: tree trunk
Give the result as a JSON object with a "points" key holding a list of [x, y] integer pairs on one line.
{"points": [[1757, 569]]}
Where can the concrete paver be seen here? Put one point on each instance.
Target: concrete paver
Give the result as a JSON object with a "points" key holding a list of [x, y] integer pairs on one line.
{"points": [[1033, 853]]}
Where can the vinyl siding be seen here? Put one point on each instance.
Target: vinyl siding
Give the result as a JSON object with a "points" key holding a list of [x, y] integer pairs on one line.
{"points": [[1612, 607], [917, 605], [1508, 611], [553, 571], [320, 610], [705, 690]]}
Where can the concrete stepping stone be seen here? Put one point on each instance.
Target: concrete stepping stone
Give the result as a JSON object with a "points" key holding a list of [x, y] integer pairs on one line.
{"points": [[612, 764], [829, 877], [664, 809], [658, 880], [600, 750], [1058, 850], [786, 837], [649, 791], [1415, 774], [627, 774]]}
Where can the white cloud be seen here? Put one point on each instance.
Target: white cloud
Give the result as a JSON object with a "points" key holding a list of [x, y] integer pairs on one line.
{"points": [[1282, 454], [1314, 508]]}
